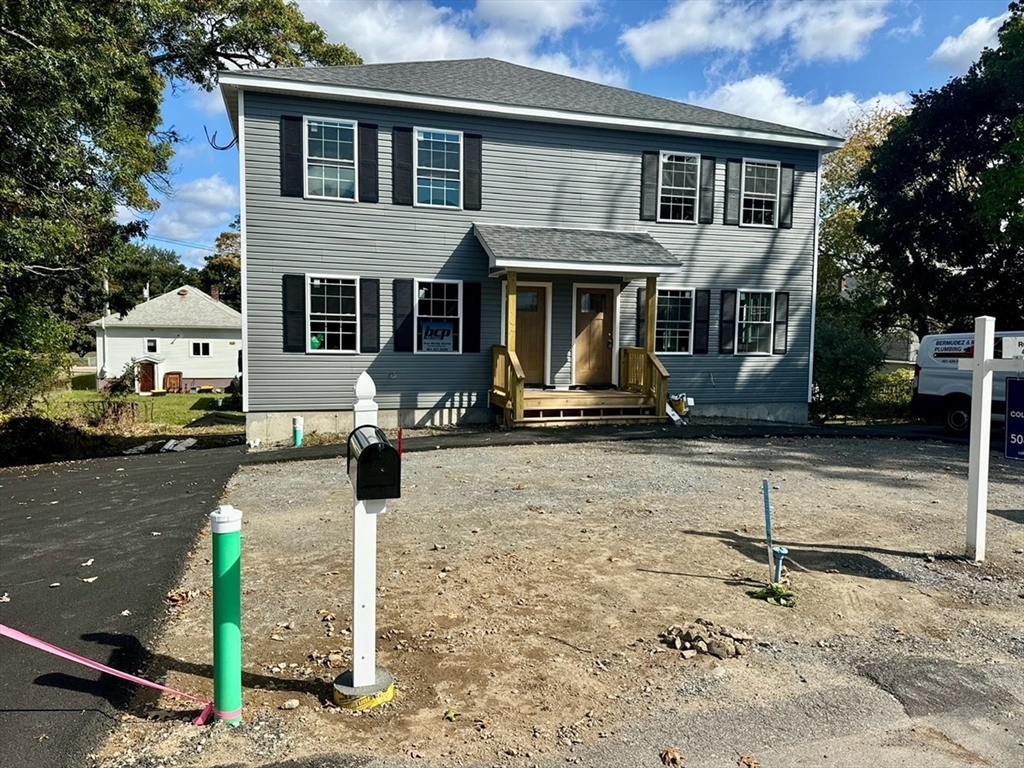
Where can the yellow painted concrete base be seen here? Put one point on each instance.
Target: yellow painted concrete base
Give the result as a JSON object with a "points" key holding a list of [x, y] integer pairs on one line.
{"points": [[368, 701]]}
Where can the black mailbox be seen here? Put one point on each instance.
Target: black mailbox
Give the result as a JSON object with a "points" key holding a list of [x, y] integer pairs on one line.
{"points": [[373, 465]]}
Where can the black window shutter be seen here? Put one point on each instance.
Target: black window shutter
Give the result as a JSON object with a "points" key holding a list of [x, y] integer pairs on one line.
{"points": [[471, 310], [707, 190], [369, 314], [733, 172], [369, 187], [293, 304], [701, 321], [641, 317], [727, 324], [780, 342], [401, 165], [401, 300], [786, 196], [472, 161], [649, 186], [291, 156]]}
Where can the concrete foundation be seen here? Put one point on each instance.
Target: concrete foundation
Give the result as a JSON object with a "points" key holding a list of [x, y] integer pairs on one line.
{"points": [[786, 413]]}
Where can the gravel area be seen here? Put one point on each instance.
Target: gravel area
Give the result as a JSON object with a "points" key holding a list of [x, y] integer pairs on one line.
{"points": [[523, 589]]}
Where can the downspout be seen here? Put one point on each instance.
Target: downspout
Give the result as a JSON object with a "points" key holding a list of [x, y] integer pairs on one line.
{"points": [[814, 280]]}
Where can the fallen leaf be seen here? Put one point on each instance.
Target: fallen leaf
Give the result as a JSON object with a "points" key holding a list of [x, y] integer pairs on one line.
{"points": [[451, 714], [672, 757], [55, 584], [748, 761], [88, 562], [90, 580]]}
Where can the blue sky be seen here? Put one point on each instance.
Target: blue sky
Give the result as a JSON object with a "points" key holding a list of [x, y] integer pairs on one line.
{"points": [[814, 64]]}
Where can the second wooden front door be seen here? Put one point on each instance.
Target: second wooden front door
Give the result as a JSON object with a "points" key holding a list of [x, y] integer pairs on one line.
{"points": [[531, 331], [595, 328], [146, 377]]}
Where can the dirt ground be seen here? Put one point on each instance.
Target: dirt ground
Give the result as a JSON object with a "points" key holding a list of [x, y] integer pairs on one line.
{"points": [[522, 591]]}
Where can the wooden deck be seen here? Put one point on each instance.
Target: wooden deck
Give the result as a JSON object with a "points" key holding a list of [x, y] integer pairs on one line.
{"points": [[548, 407]]}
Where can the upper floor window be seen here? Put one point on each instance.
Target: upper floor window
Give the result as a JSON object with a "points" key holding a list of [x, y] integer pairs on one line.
{"points": [[674, 330], [754, 323], [760, 196], [151, 345], [438, 168], [330, 158], [200, 349], [332, 314], [677, 193]]}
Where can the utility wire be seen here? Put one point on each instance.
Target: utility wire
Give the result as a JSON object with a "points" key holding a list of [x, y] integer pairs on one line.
{"points": [[182, 242]]}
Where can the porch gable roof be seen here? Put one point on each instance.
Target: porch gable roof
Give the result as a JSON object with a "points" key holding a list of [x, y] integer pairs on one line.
{"points": [[576, 251]]}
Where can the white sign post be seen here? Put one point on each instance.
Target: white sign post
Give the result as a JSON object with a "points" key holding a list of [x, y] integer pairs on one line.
{"points": [[366, 686], [982, 365]]}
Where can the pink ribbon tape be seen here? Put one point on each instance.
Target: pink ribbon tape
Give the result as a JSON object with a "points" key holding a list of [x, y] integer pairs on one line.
{"points": [[42, 645]]}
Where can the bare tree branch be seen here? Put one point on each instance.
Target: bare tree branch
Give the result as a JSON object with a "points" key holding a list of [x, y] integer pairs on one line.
{"points": [[18, 35]]}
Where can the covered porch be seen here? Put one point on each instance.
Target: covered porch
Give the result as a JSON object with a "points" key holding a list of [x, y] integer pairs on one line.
{"points": [[564, 356]]}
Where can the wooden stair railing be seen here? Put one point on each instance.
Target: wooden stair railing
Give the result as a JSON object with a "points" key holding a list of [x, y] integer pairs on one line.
{"points": [[641, 371], [509, 382]]}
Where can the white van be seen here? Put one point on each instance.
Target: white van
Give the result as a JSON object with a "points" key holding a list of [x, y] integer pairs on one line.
{"points": [[942, 392]]}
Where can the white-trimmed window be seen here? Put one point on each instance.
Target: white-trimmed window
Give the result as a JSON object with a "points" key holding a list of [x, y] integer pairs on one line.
{"points": [[332, 314], [438, 309], [330, 148], [754, 322], [678, 185], [200, 349], [151, 346], [760, 195], [438, 168], [674, 330]]}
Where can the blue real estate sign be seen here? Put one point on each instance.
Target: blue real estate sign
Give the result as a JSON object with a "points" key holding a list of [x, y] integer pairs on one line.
{"points": [[1015, 419]]}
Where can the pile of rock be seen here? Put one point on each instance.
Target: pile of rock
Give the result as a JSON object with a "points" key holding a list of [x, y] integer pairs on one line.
{"points": [[704, 637]]}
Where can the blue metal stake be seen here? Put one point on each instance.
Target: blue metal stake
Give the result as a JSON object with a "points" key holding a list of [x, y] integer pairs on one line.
{"points": [[766, 492], [780, 555]]}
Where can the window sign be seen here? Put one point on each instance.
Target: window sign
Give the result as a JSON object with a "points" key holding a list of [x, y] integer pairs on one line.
{"points": [[438, 336]]}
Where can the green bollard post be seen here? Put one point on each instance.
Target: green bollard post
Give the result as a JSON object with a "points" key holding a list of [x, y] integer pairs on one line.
{"points": [[226, 523]]}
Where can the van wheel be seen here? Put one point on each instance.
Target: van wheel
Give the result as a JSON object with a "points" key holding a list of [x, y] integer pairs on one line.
{"points": [[957, 417]]}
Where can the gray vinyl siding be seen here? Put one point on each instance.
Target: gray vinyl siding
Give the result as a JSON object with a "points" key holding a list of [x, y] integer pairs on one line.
{"points": [[534, 174]]}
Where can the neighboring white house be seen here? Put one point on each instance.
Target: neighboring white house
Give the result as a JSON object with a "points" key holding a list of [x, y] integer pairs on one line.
{"points": [[180, 340]]}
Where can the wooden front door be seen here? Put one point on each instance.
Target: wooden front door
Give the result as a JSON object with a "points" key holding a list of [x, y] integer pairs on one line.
{"points": [[146, 376], [595, 326], [531, 331]]}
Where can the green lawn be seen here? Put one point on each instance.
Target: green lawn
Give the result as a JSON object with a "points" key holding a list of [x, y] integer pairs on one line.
{"points": [[171, 410]]}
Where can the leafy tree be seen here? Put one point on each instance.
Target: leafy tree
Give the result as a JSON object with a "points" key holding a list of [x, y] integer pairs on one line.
{"points": [[845, 357], [942, 195], [81, 85], [224, 268]]}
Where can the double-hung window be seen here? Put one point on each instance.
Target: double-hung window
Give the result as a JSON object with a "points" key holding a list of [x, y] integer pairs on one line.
{"points": [[332, 317], [754, 322], [438, 316], [760, 197], [438, 168], [674, 330], [677, 188], [330, 158]]}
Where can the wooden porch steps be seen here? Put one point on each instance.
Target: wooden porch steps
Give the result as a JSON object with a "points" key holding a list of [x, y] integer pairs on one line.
{"points": [[553, 407]]}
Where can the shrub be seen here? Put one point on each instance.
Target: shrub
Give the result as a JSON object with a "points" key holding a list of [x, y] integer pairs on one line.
{"points": [[845, 357], [890, 396]]}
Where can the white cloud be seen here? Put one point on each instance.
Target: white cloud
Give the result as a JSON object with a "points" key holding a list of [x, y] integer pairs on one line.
{"points": [[209, 103], [913, 29], [416, 30], [765, 97], [956, 54], [196, 211], [818, 31]]}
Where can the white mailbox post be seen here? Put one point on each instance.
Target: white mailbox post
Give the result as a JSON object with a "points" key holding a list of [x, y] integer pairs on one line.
{"points": [[983, 365], [365, 686]]}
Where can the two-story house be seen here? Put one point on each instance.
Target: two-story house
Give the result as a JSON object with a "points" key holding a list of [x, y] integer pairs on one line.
{"points": [[490, 240]]}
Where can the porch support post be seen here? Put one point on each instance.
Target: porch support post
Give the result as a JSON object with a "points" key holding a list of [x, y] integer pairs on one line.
{"points": [[651, 313], [511, 288]]}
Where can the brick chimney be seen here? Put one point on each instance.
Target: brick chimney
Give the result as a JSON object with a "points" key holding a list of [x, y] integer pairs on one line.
{"points": [[215, 293]]}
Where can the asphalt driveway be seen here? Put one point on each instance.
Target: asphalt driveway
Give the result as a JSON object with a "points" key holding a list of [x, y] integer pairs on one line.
{"points": [[132, 519]]}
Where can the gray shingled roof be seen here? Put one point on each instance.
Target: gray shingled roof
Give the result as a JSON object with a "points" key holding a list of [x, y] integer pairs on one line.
{"points": [[499, 82], [581, 246], [184, 307]]}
